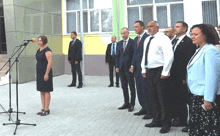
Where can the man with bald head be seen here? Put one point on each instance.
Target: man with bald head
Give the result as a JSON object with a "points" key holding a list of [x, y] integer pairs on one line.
{"points": [[110, 58], [169, 31], [156, 63], [125, 51]]}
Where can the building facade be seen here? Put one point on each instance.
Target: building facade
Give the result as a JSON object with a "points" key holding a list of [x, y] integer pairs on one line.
{"points": [[100, 21], [26, 19]]}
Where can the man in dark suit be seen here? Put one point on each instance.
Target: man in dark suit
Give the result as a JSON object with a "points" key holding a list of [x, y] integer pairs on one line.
{"points": [[183, 51], [136, 69], [125, 51], [110, 57], [74, 58], [169, 31]]}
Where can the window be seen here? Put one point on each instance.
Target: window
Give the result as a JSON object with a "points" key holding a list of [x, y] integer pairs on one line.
{"points": [[166, 13], [97, 16], [161, 1], [209, 13]]}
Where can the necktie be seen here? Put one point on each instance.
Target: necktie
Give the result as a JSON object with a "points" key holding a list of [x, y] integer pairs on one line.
{"points": [[72, 43], [174, 43], [139, 37], [124, 46], [147, 49], [113, 50]]}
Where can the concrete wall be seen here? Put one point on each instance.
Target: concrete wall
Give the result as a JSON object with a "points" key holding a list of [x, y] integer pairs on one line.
{"points": [[27, 19]]}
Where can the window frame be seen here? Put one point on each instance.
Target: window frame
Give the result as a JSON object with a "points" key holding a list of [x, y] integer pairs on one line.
{"points": [[88, 10], [218, 11], [154, 5]]}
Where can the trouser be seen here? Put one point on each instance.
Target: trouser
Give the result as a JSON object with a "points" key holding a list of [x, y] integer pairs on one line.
{"points": [[158, 92], [76, 68], [127, 78], [111, 73]]}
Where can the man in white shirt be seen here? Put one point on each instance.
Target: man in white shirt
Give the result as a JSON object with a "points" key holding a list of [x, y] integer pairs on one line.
{"points": [[157, 60]]}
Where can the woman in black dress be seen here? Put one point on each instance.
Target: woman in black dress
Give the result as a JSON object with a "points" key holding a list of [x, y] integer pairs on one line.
{"points": [[44, 74]]}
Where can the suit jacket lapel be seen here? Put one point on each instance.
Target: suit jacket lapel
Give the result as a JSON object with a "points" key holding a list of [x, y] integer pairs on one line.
{"points": [[73, 44], [126, 48], [194, 58], [142, 39], [180, 43]]}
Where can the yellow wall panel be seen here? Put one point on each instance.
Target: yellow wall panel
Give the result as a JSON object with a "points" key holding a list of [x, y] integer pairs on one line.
{"points": [[93, 44]]}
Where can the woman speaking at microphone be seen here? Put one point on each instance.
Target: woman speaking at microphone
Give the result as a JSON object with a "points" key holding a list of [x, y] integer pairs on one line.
{"points": [[44, 74]]}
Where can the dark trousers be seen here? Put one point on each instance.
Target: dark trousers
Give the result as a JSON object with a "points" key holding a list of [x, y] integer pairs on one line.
{"points": [[142, 93], [179, 99], [158, 92], [127, 78], [76, 68], [111, 73]]}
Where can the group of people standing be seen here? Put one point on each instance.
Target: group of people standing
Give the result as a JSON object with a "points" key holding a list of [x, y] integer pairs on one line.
{"points": [[176, 76], [171, 73]]}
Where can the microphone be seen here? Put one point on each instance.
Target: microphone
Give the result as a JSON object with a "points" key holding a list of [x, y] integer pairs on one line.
{"points": [[25, 43], [33, 40]]}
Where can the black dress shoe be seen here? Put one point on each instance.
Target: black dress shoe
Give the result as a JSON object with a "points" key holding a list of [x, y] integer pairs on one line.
{"points": [[71, 85], [125, 106], [79, 86], [148, 116], [110, 85], [178, 123], [131, 109], [165, 128], [153, 124], [185, 129], [141, 112], [117, 86]]}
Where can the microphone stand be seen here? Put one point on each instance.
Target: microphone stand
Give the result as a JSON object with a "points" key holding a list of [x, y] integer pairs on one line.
{"points": [[10, 110], [18, 122]]}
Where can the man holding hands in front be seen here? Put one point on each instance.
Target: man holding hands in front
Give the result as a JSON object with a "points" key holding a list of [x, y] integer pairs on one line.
{"points": [[136, 69], [125, 51]]}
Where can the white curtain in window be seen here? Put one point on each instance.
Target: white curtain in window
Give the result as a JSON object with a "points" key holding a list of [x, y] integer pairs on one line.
{"points": [[209, 13], [147, 15], [107, 20], [94, 19], [162, 16], [133, 15], [72, 5], [137, 2], [177, 13], [85, 21], [71, 22], [75, 4], [162, 1]]}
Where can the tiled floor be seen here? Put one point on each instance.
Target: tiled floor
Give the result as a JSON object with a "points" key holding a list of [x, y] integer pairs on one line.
{"points": [[91, 110]]}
